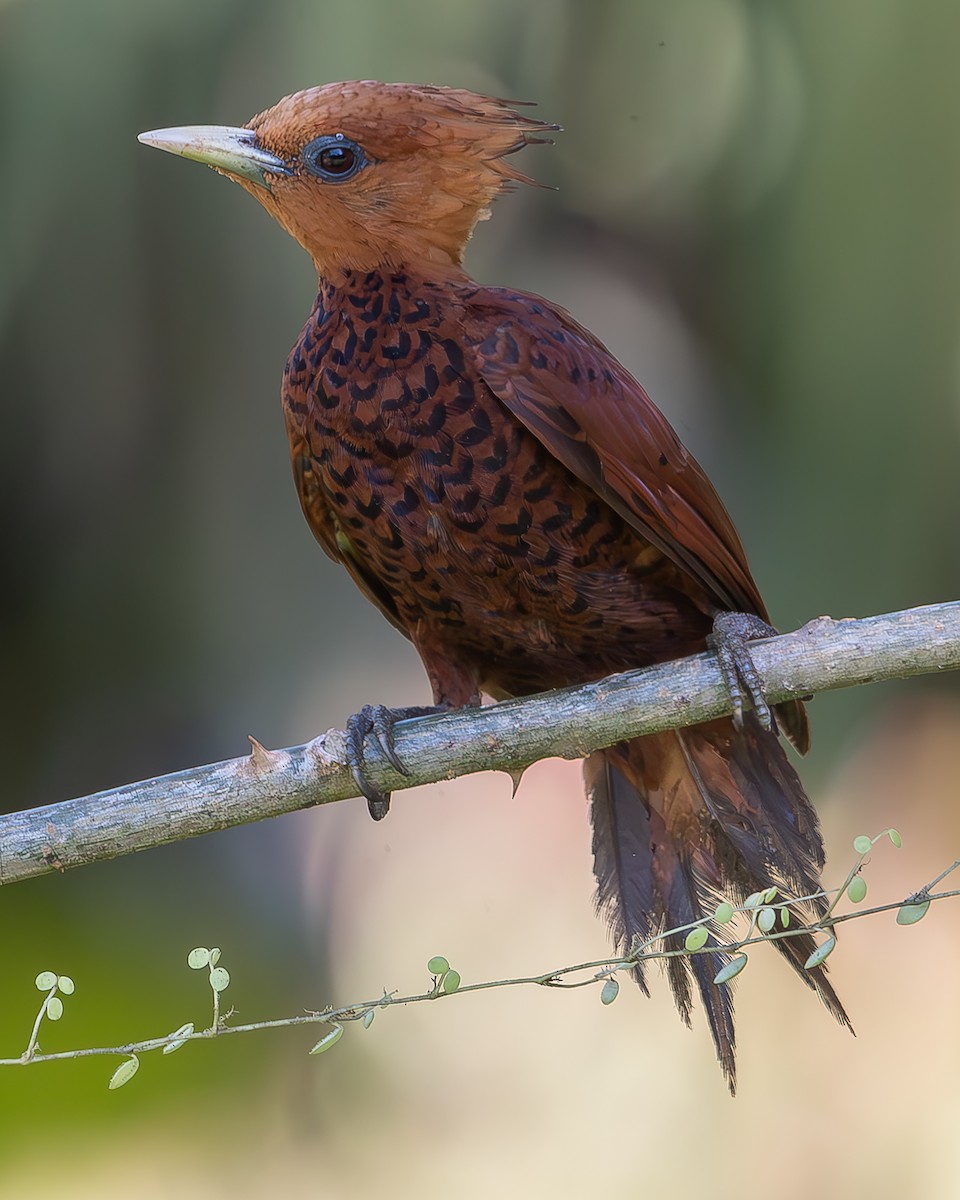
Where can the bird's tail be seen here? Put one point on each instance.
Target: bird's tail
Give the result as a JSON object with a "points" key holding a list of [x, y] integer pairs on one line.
{"points": [[686, 818]]}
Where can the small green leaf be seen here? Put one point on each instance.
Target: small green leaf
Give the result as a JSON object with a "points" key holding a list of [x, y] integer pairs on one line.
{"points": [[609, 991], [696, 938], [368, 1017], [54, 1008], [124, 1073], [180, 1041], [895, 838], [438, 965], [219, 979], [863, 844], [66, 985], [910, 914], [752, 900], [766, 919], [198, 958], [451, 981], [785, 917], [824, 950], [857, 889], [724, 913], [45, 981], [214, 956], [328, 1040], [733, 967], [769, 895]]}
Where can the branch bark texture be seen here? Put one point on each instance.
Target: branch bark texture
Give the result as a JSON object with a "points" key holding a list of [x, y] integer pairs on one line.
{"points": [[823, 655]]}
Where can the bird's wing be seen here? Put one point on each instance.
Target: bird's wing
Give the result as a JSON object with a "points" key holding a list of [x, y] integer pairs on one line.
{"points": [[592, 415]]}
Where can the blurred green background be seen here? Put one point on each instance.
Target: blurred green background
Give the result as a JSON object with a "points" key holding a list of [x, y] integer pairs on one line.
{"points": [[759, 211]]}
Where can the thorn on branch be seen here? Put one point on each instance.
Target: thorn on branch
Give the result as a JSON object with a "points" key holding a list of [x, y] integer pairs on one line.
{"points": [[262, 759]]}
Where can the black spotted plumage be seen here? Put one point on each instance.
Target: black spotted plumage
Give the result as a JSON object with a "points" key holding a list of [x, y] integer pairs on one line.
{"points": [[452, 503]]}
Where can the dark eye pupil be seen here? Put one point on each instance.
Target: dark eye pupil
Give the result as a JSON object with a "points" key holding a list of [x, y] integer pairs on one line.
{"points": [[337, 159], [332, 157]]}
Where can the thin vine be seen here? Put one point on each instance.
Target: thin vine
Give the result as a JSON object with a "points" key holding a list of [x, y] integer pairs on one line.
{"points": [[769, 916]]}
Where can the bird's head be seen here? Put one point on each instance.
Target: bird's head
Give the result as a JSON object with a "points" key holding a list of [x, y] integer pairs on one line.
{"points": [[367, 175]]}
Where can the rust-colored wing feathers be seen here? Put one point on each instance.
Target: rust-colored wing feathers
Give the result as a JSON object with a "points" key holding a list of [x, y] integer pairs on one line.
{"points": [[569, 390], [566, 387]]}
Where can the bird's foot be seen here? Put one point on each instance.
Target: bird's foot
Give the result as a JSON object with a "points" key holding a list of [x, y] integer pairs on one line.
{"points": [[731, 633], [377, 722]]}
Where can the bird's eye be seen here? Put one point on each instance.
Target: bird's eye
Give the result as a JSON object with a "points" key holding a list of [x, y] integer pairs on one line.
{"points": [[333, 157]]}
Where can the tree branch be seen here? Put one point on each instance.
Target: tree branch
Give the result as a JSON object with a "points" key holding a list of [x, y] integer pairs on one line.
{"points": [[823, 655]]}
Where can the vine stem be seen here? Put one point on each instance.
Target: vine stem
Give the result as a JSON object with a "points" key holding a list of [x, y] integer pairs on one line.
{"points": [[595, 972], [29, 1054]]}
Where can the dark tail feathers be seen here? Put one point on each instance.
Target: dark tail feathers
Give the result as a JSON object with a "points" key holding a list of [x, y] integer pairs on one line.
{"points": [[685, 818]]}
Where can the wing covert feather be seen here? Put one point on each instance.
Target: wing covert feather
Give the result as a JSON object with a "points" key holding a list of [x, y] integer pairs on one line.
{"points": [[587, 409]]}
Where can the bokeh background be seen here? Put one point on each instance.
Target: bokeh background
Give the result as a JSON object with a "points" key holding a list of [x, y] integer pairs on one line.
{"points": [[759, 211]]}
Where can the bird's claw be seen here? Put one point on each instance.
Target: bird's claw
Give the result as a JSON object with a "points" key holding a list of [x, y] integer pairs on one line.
{"points": [[731, 633], [377, 722]]}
